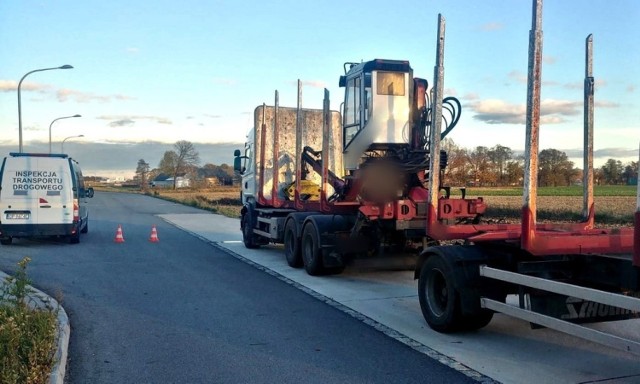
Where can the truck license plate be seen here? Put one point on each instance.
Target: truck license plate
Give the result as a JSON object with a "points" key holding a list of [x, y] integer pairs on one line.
{"points": [[17, 215]]}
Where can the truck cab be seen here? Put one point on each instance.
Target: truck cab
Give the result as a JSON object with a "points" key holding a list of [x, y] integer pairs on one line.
{"points": [[244, 165]]}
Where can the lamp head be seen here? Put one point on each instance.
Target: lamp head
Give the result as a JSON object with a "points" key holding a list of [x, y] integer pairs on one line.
{"points": [[66, 66]]}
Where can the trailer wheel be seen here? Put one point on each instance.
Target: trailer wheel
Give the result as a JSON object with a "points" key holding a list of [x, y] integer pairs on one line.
{"points": [[292, 245], [477, 321], [248, 237], [6, 240], [311, 251], [438, 297]]}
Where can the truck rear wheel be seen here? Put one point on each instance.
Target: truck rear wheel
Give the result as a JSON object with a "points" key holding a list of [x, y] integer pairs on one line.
{"points": [[438, 297], [292, 245], [248, 237], [311, 251]]}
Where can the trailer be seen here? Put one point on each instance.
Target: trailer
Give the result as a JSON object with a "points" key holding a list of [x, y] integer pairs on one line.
{"points": [[563, 274]]}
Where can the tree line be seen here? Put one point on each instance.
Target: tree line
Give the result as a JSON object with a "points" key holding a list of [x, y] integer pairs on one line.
{"points": [[498, 166], [481, 167], [183, 161]]}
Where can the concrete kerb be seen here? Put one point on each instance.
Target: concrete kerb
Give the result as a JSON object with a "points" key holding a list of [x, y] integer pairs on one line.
{"points": [[39, 299]]}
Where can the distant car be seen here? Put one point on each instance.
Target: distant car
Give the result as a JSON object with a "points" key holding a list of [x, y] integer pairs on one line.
{"points": [[42, 195]]}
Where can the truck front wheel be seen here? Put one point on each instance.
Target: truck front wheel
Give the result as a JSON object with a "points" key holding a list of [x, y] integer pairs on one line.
{"points": [[438, 297], [292, 245], [248, 237]]}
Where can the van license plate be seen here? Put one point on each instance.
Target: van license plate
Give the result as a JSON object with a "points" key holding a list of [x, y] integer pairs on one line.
{"points": [[18, 216]]}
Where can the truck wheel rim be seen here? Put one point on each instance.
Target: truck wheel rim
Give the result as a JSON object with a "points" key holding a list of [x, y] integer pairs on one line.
{"points": [[437, 292]]}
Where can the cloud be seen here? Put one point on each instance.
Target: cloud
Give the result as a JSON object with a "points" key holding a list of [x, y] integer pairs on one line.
{"points": [[580, 84], [549, 59], [104, 158], [606, 104], [64, 95], [493, 111], [213, 116], [133, 50], [314, 83], [12, 85], [310, 83], [127, 120], [471, 96], [560, 107], [631, 88], [121, 123], [81, 97], [489, 27], [605, 153]]}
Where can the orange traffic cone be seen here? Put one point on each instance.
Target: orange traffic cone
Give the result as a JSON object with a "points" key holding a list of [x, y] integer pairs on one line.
{"points": [[119, 237], [154, 235]]}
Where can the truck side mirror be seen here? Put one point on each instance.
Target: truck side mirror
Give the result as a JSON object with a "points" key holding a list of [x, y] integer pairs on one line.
{"points": [[343, 81], [237, 161]]}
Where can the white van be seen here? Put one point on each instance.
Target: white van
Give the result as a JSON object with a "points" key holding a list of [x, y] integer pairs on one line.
{"points": [[42, 195]]}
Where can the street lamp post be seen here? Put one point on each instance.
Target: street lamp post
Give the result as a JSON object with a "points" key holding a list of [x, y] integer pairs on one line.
{"points": [[54, 120], [65, 139], [66, 66]]}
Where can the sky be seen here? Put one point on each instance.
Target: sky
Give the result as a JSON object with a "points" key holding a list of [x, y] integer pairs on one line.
{"points": [[149, 73]]}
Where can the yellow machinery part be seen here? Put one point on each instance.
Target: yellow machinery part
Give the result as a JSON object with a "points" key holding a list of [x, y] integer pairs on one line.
{"points": [[308, 190]]}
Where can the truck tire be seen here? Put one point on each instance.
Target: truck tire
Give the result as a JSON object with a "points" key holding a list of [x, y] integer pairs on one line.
{"points": [[292, 245], [439, 300], [86, 227], [248, 237], [477, 320], [6, 240], [311, 251]]}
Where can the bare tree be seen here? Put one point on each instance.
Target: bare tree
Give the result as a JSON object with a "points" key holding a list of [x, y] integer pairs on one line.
{"points": [[499, 156], [142, 174], [180, 160]]}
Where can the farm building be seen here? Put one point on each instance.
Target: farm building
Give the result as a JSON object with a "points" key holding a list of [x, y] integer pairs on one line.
{"points": [[166, 181]]}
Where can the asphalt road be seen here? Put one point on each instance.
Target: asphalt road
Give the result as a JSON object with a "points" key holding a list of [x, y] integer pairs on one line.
{"points": [[182, 311]]}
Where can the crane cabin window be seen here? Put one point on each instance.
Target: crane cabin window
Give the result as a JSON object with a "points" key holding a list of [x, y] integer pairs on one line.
{"points": [[390, 83], [352, 109]]}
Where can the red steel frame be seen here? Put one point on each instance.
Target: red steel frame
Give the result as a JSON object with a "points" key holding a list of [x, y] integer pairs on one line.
{"points": [[537, 239]]}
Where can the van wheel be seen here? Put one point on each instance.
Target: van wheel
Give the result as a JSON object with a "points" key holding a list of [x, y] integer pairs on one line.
{"points": [[6, 240], [75, 238], [86, 227]]}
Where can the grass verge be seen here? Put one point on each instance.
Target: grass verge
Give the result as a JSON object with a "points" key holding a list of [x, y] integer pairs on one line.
{"points": [[27, 336]]}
